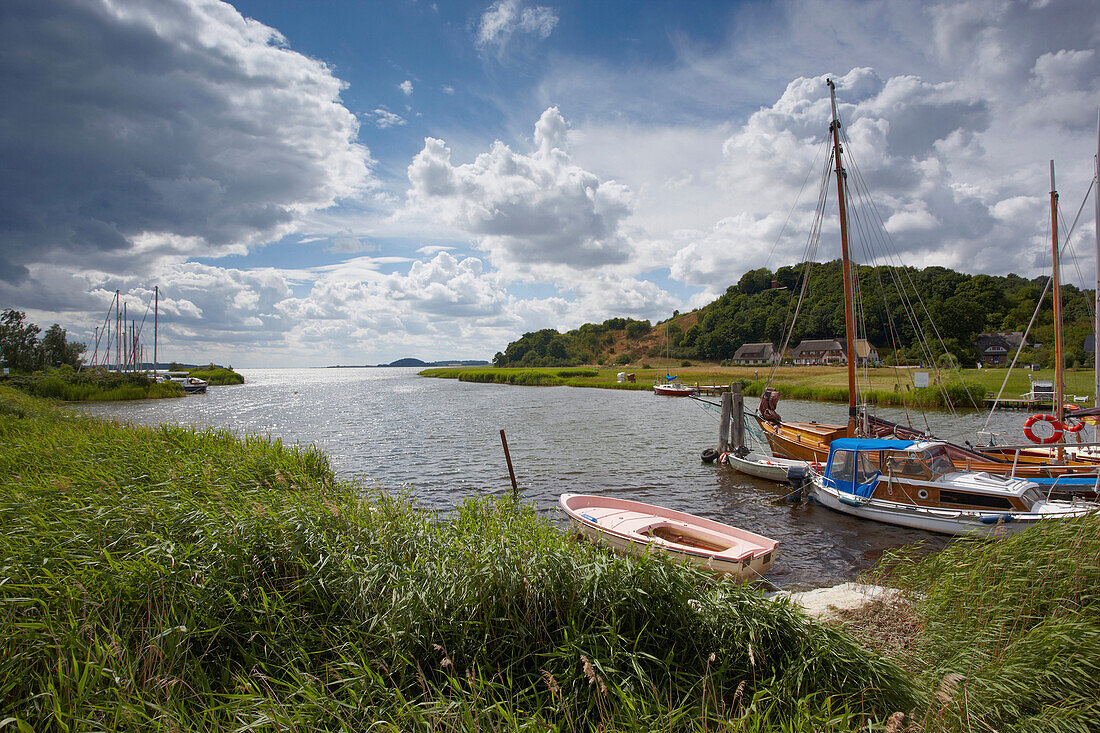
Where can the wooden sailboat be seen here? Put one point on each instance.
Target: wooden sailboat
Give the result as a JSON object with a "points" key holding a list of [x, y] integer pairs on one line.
{"points": [[810, 441]]}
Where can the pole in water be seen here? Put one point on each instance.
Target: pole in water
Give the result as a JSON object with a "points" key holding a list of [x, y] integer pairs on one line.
{"points": [[511, 471]]}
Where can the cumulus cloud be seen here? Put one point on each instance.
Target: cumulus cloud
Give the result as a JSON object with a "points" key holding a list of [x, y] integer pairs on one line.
{"points": [[178, 123], [406, 87], [537, 214], [506, 18]]}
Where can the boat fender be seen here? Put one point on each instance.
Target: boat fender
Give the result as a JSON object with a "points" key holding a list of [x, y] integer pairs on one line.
{"points": [[723, 459], [709, 455], [590, 518], [996, 518], [1054, 437], [853, 502]]}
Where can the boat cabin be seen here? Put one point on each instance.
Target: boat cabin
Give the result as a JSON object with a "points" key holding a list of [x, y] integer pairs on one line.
{"points": [[921, 473]]}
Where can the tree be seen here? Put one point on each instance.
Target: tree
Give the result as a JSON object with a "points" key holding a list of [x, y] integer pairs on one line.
{"points": [[56, 350], [18, 342]]}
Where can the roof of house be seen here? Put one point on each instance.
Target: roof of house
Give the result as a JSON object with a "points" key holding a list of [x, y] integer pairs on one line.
{"points": [[817, 345], [863, 347], [749, 351]]}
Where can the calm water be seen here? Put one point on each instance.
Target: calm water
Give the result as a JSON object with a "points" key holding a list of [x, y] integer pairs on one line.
{"points": [[441, 439]]}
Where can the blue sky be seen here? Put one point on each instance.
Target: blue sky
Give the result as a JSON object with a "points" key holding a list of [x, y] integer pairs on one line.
{"points": [[352, 182]]}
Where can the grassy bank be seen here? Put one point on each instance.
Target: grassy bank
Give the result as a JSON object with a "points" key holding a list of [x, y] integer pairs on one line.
{"points": [[167, 578], [217, 376], [887, 386], [94, 385]]}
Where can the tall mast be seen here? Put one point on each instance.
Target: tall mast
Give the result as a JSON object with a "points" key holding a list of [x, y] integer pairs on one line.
{"points": [[849, 320], [1096, 293], [156, 310], [1059, 410]]}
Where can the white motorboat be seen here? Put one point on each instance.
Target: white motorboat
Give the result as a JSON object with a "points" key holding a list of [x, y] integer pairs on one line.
{"points": [[915, 484]]}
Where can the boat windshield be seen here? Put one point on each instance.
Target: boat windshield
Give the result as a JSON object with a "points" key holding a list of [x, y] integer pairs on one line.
{"points": [[938, 461], [846, 462]]}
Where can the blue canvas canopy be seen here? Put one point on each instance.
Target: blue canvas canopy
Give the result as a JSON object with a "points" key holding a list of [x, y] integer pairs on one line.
{"points": [[864, 444], [669, 378]]}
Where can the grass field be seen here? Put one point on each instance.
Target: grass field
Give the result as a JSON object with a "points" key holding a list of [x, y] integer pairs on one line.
{"points": [[172, 579], [888, 385]]}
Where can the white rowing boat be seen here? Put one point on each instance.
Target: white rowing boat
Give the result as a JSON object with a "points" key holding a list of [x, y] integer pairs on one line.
{"points": [[763, 466], [631, 526]]}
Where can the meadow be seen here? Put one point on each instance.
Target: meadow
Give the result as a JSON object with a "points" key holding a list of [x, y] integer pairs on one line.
{"points": [[880, 385], [170, 578]]}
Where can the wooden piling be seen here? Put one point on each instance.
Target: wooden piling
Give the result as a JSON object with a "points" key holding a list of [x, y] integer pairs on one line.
{"points": [[738, 415], [724, 423], [511, 471]]}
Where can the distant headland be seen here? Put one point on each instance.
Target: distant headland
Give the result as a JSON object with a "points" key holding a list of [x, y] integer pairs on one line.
{"points": [[410, 362]]}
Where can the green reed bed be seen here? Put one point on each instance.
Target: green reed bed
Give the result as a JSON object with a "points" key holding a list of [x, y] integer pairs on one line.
{"points": [[217, 376], [1010, 630], [94, 385], [167, 578]]}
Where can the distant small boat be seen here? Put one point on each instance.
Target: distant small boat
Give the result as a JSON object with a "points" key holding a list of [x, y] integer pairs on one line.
{"points": [[631, 526], [191, 385], [763, 466], [673, 389]]}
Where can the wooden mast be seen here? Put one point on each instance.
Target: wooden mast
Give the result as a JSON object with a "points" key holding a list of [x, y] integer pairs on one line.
{"points": [[1059, 410], [849, 320]]}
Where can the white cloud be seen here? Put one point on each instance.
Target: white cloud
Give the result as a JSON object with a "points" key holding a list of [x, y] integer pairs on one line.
{"points": [[505, 18], [170, 126], [406, 87], [537, 215], [384, 119]]}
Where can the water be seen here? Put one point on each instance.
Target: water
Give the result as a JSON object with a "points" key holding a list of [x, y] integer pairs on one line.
{"points": [[440, 439]]}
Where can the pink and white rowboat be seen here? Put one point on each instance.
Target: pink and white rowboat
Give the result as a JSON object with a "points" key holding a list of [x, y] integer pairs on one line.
{"points": [[631, 526]]}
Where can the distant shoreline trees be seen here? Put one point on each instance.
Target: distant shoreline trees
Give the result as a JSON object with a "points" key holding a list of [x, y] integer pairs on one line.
{"points": [[22, 351]]}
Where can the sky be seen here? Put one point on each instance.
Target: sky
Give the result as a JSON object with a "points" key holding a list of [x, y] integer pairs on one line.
{"points": [[310, 183]]}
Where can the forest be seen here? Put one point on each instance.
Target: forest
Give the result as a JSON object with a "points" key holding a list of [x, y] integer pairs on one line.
{"points": [[897, 309]]}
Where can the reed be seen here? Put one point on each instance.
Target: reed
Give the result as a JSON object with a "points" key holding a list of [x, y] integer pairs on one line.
{"points": [[217, 375], [1011, 629], [91, 386], [173, 578]]}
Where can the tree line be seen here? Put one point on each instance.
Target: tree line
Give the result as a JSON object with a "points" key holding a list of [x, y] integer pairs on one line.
{"points": [[899, 310], [21, 349]]}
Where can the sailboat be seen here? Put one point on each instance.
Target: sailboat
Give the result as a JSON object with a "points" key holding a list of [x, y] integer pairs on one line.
{"points": [[810, 441], [670, 387]]}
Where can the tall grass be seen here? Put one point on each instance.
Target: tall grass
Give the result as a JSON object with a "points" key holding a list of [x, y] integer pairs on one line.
{"points": [[172, 578], [1011, 636], [94, 385]]}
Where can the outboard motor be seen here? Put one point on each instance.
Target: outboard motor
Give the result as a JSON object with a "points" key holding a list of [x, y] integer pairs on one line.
{"points": [[798, 477]]}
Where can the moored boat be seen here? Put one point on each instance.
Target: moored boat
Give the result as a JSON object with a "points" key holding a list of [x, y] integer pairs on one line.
{"points": [[191, 385], [633, 527], [916, 484], [771, 468], [673, 389]]}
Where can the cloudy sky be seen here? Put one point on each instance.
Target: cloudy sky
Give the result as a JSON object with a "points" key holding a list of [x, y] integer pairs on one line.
{"points": [[356, 181]]}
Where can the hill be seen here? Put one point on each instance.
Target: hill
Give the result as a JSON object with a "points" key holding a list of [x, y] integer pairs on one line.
{"points": [[902, 308]]}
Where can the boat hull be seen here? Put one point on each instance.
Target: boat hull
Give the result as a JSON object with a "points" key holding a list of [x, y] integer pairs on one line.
{"points": [[635, 528]]}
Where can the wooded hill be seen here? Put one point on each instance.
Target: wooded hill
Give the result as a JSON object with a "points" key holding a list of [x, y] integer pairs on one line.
{"points": [[898, 304]]}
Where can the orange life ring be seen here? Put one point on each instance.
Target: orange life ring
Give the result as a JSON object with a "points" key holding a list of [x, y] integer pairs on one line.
{"points": [[1053, 438], [1071, 427]]}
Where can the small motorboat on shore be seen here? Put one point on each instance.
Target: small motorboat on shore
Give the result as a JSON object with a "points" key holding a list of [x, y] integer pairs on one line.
{"points": [[763, 466], [191, 385], [915, 484], [631, 526]]}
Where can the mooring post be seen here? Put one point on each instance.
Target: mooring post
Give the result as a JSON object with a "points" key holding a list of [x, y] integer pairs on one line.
{"points": [[511, 471], [724, 423], [738, 415]]}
